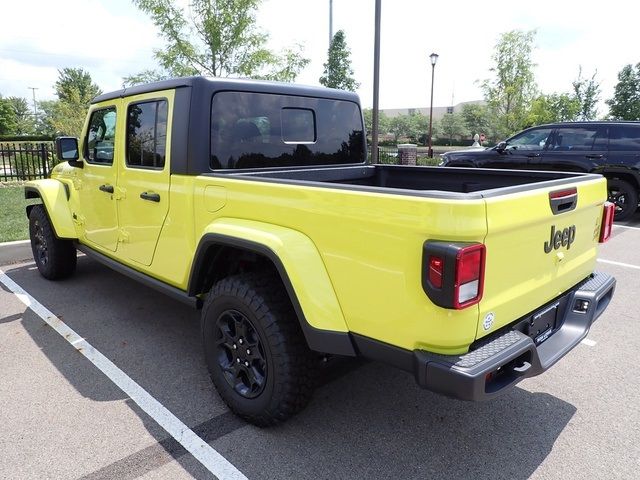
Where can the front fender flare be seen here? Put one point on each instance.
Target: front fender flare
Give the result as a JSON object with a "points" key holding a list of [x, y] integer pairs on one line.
{"points": [[55, 199], [301, 269]]}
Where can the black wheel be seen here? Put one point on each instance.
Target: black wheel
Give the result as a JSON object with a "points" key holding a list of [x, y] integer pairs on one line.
{"points": [[55, 257], [255, 350], [624, 196]]}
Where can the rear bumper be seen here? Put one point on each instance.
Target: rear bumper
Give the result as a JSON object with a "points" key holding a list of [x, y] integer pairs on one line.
{"points": [[502, 360]]}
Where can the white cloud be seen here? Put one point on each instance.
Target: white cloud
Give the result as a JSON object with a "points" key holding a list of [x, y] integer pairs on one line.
{"points": [[112, 39]]}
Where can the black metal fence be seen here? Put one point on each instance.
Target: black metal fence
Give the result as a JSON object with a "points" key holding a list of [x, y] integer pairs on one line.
{"points": [[26, 160], [387, 155]]}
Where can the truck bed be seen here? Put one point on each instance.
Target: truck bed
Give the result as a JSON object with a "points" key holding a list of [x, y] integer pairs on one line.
{"points": [[436, 182]]}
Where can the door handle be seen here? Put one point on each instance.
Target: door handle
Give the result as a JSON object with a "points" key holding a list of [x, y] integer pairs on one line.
{"points": [[152, 197], [594, 156], [532, 155], [106, 188]]}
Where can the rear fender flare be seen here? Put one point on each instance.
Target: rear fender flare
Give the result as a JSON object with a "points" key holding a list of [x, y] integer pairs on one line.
{"points": [[301, 270]]}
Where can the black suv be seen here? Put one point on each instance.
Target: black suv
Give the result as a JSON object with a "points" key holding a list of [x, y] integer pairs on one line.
{"points": [[609, 148]]}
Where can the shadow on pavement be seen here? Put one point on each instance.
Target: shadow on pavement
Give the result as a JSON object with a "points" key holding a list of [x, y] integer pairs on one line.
{"points": [[367, 420]]}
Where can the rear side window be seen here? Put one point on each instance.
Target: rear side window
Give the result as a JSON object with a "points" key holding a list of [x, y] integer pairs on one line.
{"points": [[254, 130], [147, 134], [624, 137], [579, 139], [101, 135]]}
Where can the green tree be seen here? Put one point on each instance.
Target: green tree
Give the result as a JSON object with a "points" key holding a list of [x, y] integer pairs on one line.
{"points": [[383, 121], [478, 119], [217, 38], [400, 127], [75, 81], [625, 104], [510, 93], [554, 108], [452, 126], [8, 121], [46, 112], [24, 117], [337, 70], [418, 128], [66, 116], [587, 93]]}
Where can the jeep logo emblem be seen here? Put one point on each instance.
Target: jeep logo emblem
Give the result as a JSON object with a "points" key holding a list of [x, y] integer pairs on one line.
{"points": [[560, 238]]}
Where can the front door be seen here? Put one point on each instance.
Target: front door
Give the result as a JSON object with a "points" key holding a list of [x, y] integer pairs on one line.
{"points": [[143, 177], [521, 151], [96, 187]]}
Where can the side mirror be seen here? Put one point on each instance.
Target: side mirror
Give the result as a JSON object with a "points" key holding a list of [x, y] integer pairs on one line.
{"points": [[501, 147], [67, 150]]}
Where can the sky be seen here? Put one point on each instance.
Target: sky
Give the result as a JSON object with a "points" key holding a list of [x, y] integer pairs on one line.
{"points": [[112, 39]]}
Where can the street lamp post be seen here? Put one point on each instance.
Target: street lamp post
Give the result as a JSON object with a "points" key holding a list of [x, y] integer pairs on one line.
{"points": [[434, 59]]}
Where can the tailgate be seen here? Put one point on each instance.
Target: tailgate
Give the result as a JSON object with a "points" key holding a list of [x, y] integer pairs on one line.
{"points": [[534, 254]]}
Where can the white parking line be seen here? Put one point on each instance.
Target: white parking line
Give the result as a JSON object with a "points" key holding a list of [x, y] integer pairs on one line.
{"points": [[15, 242], [209, 457], [620, 264], [588, 342], [625, 226]]}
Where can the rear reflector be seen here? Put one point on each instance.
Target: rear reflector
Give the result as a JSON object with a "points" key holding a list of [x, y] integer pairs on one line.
{"points": [[469, 279], [436, 265], [607, 221]]}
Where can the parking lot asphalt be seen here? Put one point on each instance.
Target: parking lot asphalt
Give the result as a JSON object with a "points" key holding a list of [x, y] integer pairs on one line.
{"points": [[61, 417]]}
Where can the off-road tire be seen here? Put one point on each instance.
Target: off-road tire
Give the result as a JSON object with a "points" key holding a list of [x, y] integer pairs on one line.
{"points": [[55, 258], [624, 196], [290, 367]]}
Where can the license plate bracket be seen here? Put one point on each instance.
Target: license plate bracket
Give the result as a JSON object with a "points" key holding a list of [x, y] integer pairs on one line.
{"points": [[542, 324]]}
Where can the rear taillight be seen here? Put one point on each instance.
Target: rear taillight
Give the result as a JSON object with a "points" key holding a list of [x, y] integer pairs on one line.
{"points": [[469, 276], [453, 273], [607, 221]]}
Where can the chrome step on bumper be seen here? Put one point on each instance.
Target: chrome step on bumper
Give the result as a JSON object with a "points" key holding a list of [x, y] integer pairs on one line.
{"points": [[502, 360]]}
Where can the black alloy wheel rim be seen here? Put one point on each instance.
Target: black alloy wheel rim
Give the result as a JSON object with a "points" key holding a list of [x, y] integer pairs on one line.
{"points": [[619, 199], [240, 354], [40, 244]]}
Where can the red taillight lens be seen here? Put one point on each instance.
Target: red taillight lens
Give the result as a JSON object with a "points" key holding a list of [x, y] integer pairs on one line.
{"points": [[607, 221], [469, 276], [436, 265]]}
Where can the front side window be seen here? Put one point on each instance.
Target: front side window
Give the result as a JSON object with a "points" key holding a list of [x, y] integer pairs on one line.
{"points": [[531, 140], [147, 134], [101, 135], [255, 130], [579, 139]]}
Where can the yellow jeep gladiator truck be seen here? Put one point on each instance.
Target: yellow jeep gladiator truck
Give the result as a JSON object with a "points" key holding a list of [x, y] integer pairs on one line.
{"points": [[254, 202]]}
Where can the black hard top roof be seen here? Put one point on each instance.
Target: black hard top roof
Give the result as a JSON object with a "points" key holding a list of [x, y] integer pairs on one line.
{"points": [[217, 84]]}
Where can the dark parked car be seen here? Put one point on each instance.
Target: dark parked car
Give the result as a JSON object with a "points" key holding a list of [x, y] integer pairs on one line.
{"points": [[609, 148]]}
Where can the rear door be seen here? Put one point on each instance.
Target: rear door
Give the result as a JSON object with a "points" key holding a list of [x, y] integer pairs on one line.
{"points": [[574, 149], [538, 248], [624, 146], [144, 175]]}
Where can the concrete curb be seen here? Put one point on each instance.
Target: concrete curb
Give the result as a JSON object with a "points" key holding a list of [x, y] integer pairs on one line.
{"points": [[15, 252]]}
